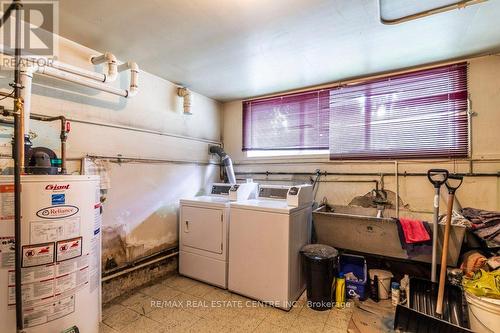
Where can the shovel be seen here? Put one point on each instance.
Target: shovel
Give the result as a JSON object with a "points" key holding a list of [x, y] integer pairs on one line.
{"points": [[421, 313], [452, 183], [437, 177]]}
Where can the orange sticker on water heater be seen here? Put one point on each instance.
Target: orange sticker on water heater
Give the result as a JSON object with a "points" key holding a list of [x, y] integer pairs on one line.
{"points": [[8, 188]]}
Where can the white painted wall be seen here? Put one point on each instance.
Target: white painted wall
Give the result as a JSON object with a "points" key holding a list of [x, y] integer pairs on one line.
{"points": [[484, 88], [140, 214]]}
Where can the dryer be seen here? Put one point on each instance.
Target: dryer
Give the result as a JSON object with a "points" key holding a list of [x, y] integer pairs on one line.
{"points": [[265, 238], [203, 232]]}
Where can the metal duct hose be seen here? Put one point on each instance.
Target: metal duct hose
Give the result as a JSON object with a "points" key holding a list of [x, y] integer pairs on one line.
{"points": [[226, 160]]}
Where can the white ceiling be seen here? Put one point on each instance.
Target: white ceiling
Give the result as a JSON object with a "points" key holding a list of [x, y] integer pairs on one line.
{"points": [[233, 49]]}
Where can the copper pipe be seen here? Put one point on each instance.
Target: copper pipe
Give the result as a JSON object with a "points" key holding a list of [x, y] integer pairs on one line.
{"points": [[429, 12], [20, 137]]}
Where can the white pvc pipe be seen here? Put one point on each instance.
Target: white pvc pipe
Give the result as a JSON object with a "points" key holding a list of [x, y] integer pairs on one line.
{"points": [[41, 62], [53, 72], [111, 62], [26, 78], [134, 77], [78, 71], [186, 95]]}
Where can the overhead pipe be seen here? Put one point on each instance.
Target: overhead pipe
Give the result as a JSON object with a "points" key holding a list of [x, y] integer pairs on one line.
{"points": [[70, 77], [186, 94], [76, 75], [110, 75], [111, 62], [26, 80], [134, 77], [100, 77], [376, 174], [445, 8], [26, 77]]}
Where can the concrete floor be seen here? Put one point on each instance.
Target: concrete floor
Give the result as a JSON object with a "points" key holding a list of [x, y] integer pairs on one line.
{"points": [[179, 304]]}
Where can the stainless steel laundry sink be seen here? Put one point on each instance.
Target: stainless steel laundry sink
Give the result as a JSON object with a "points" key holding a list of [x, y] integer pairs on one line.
{"points": [[358, 229]]}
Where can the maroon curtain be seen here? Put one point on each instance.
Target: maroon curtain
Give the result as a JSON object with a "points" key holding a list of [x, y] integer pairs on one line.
{"points": [[422, 114], [295, 121]]}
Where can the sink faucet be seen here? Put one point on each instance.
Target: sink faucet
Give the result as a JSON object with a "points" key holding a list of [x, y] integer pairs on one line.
{"points": [[380, 211], [379, 198]]}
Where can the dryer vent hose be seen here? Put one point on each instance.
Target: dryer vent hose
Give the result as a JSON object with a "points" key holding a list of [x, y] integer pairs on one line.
{"points": [[226, 161]]}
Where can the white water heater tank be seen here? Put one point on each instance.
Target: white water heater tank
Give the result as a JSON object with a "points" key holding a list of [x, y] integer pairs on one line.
{"points": [[61, 254]]}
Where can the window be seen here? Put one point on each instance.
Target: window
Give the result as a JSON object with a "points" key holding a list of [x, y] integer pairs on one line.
{"points": [[420, 114], [290, 122]]}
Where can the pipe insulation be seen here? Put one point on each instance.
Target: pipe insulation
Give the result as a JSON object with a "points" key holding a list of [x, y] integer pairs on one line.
{"points": [[226, 161]]}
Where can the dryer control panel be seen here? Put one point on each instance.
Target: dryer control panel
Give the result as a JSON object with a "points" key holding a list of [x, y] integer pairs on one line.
{"points": [[235, 192], [295, 196], [220, 189], [299, 195], [273, 192]]}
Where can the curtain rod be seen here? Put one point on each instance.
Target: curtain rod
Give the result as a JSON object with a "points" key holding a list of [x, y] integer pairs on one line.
{"points": [[380, 75]]}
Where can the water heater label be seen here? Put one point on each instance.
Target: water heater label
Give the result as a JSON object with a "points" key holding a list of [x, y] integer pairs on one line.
{"points": [[6, 202], [50, 230], [45, 313], [39, 273], [57, 212], [69, 249], [7, 254], [39, 254]]}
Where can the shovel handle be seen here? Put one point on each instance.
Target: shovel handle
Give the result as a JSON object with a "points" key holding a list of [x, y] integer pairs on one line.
{"points": [[444, 255], [437, 177], [457, 181]]}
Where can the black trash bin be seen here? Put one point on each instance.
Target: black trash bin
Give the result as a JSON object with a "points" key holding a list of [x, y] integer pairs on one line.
{"points": [[320, 267]]}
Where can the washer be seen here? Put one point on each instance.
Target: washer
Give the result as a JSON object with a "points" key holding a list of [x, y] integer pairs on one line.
{"points": [[265, 237], [203, 232]]}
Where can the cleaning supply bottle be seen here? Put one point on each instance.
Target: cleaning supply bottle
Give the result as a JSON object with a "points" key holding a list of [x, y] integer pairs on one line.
{"points": [[395, 293], [340, 291]]}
